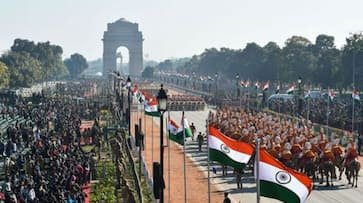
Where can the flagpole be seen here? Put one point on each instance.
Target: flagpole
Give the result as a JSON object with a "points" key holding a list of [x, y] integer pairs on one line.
{"points": [[185, 179], [239, 97], [144, 144], [137, 112], [152, 139], [248, 98], [327, 114], [308, 113], [258, 169], [207, 132], [353, 93], [168, 120], [278, 104]]}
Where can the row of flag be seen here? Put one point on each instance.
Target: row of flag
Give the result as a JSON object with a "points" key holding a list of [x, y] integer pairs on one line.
{"points": [[291, 89], [258, 85], [276, 180], [177, 133], [150, 103], [266, 86]]}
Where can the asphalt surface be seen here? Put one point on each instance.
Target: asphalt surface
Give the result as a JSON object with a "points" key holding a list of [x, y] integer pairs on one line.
{"points": [[340, 192]]}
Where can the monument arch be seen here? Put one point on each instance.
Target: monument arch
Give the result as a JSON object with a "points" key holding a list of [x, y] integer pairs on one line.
{"points": [[122, 33]]}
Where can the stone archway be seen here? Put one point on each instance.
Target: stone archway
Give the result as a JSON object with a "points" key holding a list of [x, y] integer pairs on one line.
{"points": [[127, 34]]}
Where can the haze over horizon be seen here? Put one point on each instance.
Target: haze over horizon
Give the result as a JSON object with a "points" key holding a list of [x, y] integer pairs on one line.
{"points": [[174, 29]]}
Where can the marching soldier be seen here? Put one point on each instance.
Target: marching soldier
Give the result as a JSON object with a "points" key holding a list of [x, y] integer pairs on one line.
{"points": [[192, 128], [200, 139]]}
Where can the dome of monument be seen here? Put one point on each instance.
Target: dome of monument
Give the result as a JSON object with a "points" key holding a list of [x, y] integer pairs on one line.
{"points": [[123, 20]]}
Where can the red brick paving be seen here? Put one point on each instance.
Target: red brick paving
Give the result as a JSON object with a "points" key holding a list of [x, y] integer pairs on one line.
{"points": [[197, 183]]}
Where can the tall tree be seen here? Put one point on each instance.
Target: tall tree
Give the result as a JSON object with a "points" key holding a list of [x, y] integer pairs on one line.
{"points": [[4, 75], [24, 70], [328, 61], [299, 60], [49, 56], [192, 65], [273, 60], [352, 58], [166, 65], [252, 61], [148, 72], [76, 64]]}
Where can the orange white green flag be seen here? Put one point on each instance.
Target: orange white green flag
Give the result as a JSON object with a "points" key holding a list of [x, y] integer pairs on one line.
{"points": [[291, 89], [228, 151], [355, 95], [176, 131], [280, 182], [151, 108]]}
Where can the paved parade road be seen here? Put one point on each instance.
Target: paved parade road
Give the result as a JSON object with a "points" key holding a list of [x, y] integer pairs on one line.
{"points": [[341, 192]]}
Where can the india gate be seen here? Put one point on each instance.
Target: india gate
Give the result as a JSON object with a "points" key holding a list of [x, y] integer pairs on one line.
{"points": [[126, 34]]}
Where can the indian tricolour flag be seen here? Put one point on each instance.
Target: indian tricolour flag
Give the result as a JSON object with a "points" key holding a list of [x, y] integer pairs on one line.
{"points": [[332, 94], [291, 89], [228, 151], [244, 83], [151, 108], [282, 183], [176, 131], [257, 85], [355, 95], [277, 89], [266, 86], [135, 90]]}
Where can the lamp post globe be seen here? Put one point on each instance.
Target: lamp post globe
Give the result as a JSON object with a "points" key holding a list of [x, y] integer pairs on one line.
{"points": [[128, 85], [162, 98], [128, 82], [300, 93], [162, 107], [237, 85]]}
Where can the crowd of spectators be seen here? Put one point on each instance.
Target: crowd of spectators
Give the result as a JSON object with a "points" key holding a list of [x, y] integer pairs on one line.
{"points": [[42, 156], [337, 113]]}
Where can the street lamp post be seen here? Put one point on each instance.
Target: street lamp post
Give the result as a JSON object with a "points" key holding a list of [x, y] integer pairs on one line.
{"points": [[299, 81], [128, 85], [216, 77], [215, 96], [193, 80], [123, 89], [117, 88], [162, 107], [237, 86]]}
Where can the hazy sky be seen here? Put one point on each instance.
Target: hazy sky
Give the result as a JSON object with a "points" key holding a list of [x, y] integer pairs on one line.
{"points": [[176, 28]]}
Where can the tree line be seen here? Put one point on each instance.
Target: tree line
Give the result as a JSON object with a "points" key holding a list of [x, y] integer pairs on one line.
{"points": [[320, 63], [27, 63]]}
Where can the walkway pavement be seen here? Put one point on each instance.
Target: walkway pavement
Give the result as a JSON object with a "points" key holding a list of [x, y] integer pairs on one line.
{"points": [[197, 171], [197, 182], [341, 192]]}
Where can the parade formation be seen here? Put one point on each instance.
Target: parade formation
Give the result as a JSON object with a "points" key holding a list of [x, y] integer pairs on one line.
{"points": [[193, 102]]}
